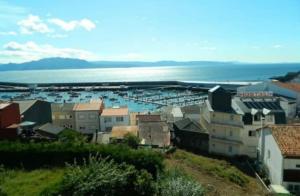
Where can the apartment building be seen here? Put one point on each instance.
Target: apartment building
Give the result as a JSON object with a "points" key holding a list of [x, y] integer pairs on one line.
{"points": [[115, 116], [63, 115]]}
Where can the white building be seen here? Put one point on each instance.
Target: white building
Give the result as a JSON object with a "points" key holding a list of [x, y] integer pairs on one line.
{"points": [[280, 153], [279, 89], [116, 116], [87, 118], [253, 116], [232, 123], [223, 124]]}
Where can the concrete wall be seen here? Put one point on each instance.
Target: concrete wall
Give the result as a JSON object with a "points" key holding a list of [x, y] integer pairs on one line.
{"points": [[107, 125], [64, 119], [87, 121]]}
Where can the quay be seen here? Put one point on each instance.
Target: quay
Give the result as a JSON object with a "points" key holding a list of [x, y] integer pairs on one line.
{"points": [[201, 86]]}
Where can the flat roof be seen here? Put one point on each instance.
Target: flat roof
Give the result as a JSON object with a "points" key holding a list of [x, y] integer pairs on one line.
{"points": [[94, 106], [115, 111], [121, 131]]}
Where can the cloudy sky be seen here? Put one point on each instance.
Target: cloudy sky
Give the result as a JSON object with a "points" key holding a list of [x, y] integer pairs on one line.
{"points": [[151, 30]]}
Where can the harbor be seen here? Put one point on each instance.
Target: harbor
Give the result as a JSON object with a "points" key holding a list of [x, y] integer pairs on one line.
{"points": [[138, 96]]}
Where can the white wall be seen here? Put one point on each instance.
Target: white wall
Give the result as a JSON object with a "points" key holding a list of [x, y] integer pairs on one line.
{"points": [[272, 157], [104, 124]]}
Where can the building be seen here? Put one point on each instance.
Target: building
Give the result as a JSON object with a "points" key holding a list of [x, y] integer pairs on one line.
{"points": [[176, 113], [116, 116], [119, 132], [63, 115], [154, 133], [87, 116], [191, 112], [49, 130], [36, 111], [279, 89], [256, 112], [9, 120], [280, 152], [147, 118], [222, 122], [191, 136]]}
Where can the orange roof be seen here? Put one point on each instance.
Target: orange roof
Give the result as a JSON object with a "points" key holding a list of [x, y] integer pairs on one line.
{"points": [[121, 131], [115, 112], [291, 86], [287, 138], [95, 106]]}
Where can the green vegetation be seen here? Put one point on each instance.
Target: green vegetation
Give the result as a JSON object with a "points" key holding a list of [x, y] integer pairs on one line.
{"points": [[71, 136], [37, 155], [215, 167], [27, 183]]}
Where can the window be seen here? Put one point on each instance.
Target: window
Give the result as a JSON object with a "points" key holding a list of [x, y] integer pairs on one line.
{"points": [[269, 154], [107, 119], [230, 149], [231, 117], [81, 116], [256, 117], [214, 115], [81, 128], [252, 133], [61, 116], [230, 133], [213, 145], [92, 116], [298, 165], [120, 119]]}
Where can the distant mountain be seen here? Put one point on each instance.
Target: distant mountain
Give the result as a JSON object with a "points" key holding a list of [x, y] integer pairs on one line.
{"points": [[69, 63], [47, 63]]}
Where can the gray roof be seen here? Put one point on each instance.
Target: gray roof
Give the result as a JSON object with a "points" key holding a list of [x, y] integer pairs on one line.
{"points": [[189, 125], [214, 88], [62, 107], [51, 128], [25, 105], [191, 109], [154, 133]]}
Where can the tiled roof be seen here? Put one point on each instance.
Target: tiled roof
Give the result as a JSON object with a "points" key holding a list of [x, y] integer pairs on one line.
{"points": [[291, 86], [115, 112], [287, 138], [148, 117], [88, 106], [121, 131]]}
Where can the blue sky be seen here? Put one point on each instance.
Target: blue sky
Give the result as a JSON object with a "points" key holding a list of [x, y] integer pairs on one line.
{"points": [[151, 30]]}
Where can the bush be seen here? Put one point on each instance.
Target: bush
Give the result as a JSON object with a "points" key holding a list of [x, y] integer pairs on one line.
{"points": [[131, 140], [105, 177], [176, 183], [71, 136], [36, 155]]}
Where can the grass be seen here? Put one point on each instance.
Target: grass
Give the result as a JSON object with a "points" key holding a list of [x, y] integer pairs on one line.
{"points": [[20, 182], [217, 176]]}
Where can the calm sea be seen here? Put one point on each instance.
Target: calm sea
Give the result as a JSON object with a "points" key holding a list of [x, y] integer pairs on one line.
{"points": [[239, 72]]}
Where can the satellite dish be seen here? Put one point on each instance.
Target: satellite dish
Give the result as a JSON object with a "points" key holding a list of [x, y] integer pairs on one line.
{"points": [[266, 111], [254, 111]]}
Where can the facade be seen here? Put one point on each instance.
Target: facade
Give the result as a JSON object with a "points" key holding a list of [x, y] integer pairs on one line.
{"points": [[111, 117], [154, 133], [87, 117], [36, 111], [253, 118], [191, 136], [223, 123], [280, 152], [63, 115], [119, 132], [9, 120]]}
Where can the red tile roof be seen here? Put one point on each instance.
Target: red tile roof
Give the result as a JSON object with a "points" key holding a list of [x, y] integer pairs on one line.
{"points": [[291, 86], [287, 138]]}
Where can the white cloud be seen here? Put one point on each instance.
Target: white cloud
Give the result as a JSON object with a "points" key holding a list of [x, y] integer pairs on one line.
{"points": [[8, 33], [276, 46], [33, 24], [71, 25], [21, 52]]}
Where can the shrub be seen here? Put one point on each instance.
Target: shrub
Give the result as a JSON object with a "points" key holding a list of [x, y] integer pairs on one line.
{"points": [[131, 140], [35, 155], [71, 136], [176, 183], [105, 177]]}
